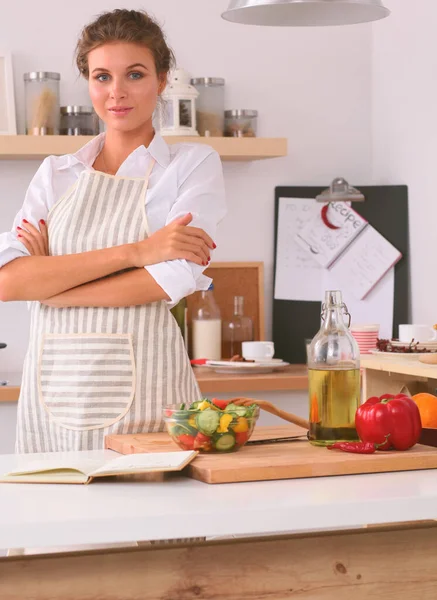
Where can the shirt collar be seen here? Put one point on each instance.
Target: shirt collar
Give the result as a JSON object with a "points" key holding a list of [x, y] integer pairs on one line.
{"points": [[158, 149]]}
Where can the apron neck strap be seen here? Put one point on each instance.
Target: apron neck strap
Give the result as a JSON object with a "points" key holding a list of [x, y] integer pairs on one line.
{"points": [[149, 168]]}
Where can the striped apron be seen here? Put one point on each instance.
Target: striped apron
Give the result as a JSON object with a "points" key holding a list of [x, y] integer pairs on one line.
{"points": [[90, 372]]}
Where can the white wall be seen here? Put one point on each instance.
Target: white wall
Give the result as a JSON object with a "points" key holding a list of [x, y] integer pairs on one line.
{"points": [[312, 86], [405, 132]]}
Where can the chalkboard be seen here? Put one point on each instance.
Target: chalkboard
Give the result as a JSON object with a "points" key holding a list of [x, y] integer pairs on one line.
{"points": [[386, 208]]}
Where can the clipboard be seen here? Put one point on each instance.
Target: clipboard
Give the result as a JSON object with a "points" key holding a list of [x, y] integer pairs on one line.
{"points": [[386, 208]]}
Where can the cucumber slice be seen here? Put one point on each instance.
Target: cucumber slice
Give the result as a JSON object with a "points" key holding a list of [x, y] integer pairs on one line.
{"points": [[195, 405], [237, 410], [224, 442], [207, 421], [182, 429]]}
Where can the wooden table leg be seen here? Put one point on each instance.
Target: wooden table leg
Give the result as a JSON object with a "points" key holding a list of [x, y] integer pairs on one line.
{"points": [[396, 563]]}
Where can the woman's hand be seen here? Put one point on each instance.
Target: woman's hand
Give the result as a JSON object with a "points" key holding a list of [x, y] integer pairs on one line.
{"points": [[172, 242], [36, 241]]}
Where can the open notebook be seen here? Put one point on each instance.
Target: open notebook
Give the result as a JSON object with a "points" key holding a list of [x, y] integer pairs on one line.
{"points": [[65, 467]]}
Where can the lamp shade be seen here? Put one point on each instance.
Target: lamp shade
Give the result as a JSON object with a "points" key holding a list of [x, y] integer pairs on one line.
{"points": [[301, 13]]}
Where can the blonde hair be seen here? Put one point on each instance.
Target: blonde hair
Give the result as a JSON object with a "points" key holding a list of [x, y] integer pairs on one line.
{"points": [[122, 25]]}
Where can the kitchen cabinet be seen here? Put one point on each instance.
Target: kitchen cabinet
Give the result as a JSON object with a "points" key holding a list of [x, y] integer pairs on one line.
{"points": [[24, 147]]}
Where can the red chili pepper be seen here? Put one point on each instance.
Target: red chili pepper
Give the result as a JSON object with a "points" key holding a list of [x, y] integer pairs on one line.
{"points": [[394, 416], [355, 447]]}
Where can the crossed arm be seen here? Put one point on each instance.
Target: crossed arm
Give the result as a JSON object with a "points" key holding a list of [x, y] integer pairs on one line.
{"points": [[81, 279]]}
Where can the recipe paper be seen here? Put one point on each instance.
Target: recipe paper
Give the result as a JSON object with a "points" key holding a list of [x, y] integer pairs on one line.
{"points": [[298, 276]]}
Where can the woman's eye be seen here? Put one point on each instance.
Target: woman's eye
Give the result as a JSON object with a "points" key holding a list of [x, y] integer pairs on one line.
{"points": [[102, 77], [136, 75]]}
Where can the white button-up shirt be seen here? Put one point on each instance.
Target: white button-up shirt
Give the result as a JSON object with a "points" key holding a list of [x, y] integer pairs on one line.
{"points": [[186, 178]]}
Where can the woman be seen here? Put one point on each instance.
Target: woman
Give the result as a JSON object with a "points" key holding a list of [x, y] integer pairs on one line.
{"points": [[107, 240]]}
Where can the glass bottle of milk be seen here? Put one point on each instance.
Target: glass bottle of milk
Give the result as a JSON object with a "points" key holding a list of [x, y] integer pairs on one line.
{"points": [[206, 327]]}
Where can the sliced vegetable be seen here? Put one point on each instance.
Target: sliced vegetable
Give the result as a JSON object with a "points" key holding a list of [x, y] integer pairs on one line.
{"points": [[241, 425], [195, 405], [221, 404], [192, 421], [182, 428], [240, 411], [225, 442], [225, 421], [207, 421], [204, 405], [186, 441], [241, 437], [202, 442]]}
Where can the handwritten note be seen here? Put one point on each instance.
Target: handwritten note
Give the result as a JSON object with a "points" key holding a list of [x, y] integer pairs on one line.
{"points": [[365, 262], [298, 275], [323, 243]]}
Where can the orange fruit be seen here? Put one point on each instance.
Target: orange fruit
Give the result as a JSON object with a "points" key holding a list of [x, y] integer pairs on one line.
{"points": [[427, 405]]}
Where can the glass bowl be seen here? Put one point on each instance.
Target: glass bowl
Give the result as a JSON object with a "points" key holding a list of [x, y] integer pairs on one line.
{"points": [[207, 428]]}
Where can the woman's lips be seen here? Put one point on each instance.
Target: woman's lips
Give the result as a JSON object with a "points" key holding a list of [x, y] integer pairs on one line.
{"points": [[120, 111]]}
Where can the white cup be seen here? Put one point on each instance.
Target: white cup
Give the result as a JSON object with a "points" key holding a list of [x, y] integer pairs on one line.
{"points": [[420, 333], [258, 350]]}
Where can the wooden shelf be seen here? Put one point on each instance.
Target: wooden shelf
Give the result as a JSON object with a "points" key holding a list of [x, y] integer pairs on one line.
{"points": [[294, 377], [28, 147], [402, 366]]}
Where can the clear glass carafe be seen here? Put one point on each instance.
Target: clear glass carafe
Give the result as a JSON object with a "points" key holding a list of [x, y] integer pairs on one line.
{"points": [[237, 330], [334, 376]]}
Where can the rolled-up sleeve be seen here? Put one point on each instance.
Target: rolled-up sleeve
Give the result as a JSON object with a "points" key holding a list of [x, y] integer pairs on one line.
{"points": [[35, 207], [202, 194]]}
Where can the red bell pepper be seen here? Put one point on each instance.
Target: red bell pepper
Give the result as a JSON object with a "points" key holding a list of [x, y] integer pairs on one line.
{"points": [[394, 416]]}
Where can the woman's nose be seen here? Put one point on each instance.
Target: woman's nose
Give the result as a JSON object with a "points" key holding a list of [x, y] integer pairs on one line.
{"points": [[117, 90]]}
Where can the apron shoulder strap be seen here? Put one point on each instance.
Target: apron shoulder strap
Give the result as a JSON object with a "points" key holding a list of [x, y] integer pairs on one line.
{"points": [[150, 168]]}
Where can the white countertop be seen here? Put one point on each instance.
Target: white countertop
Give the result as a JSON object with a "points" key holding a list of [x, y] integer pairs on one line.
{"points": [[111, 511]]}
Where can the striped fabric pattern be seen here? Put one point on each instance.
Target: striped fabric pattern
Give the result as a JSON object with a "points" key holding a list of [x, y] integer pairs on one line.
{"points": [[79, 381], [76, 385]]}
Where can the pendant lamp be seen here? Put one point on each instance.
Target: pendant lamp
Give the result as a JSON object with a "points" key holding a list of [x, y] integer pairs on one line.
{"points": [[303, 13]]}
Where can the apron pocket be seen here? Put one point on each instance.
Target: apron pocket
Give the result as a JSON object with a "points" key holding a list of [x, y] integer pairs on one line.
{"points": [[86, 380]]}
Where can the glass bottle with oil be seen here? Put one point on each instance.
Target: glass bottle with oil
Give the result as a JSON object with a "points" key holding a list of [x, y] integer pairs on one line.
{"points": [[334, 376]]}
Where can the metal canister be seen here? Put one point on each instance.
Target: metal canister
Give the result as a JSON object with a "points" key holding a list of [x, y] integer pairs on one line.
{"points": [[78, 120]]}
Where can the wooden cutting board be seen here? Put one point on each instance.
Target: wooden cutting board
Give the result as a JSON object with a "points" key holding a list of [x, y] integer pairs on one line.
{"points": [[290, 460]]}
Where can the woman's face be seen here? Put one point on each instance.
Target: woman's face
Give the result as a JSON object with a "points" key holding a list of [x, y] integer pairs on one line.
{"points": [[123, 85]]}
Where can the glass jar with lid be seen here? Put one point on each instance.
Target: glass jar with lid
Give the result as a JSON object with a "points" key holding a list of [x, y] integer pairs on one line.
{"points": [[210, 105], [78, 120], [241, 123], [42, 102]]}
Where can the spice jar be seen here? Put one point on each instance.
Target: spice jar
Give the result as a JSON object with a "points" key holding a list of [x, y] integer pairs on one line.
{"points": [[42, 102], [240, 123], [210, 105], [78, 120]]}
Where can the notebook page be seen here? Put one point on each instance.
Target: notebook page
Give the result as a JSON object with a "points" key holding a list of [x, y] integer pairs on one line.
{"points": [[26, 464], [138, 463]]}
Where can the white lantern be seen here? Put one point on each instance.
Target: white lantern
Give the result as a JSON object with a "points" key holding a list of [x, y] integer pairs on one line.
{"points": [[179, 98]]}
